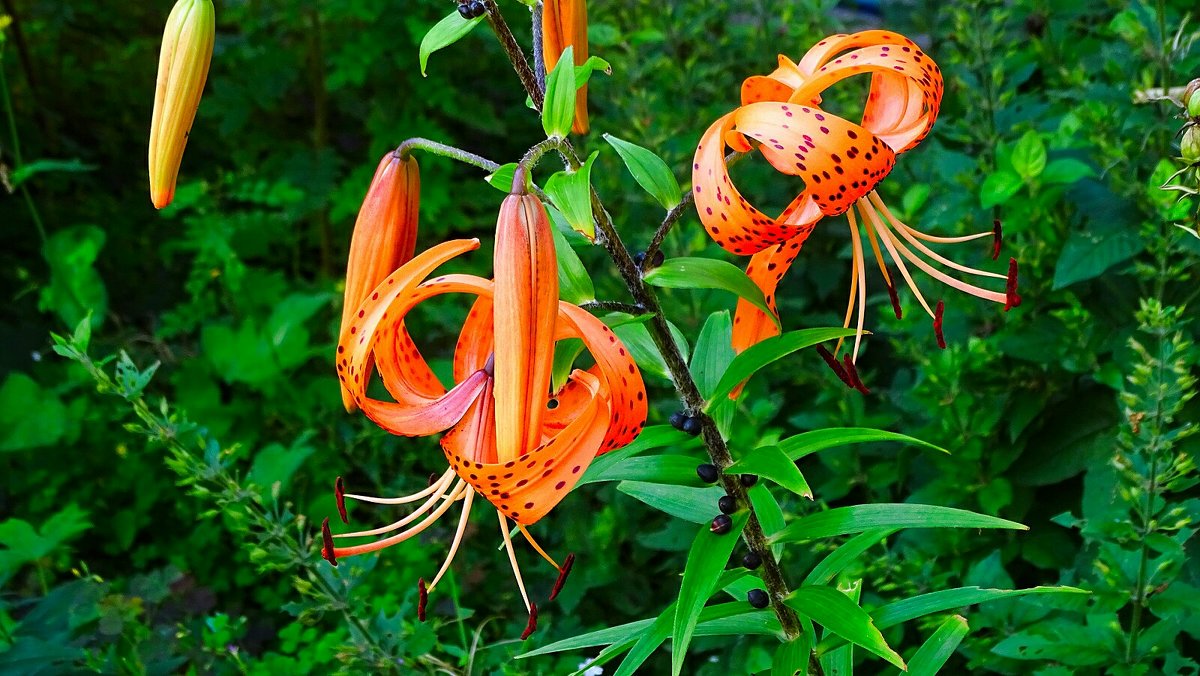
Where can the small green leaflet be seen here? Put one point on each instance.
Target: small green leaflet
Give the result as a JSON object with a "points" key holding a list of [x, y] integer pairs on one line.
{"points": [[27, 171], [445, 33], [838, 614], [558, 113], [502, 178], [932, 655], [767, 352], [859, 518], [707, 273], [650, 171], [571, 192], [769, 462], [709, 554]]}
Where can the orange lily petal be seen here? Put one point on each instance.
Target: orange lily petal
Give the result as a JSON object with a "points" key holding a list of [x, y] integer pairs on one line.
{"points": [[475, 339], [385, 237], [525, 312]]}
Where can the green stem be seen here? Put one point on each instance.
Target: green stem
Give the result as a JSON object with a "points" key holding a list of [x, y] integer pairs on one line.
{"points": [[404, 150], [16, 145]]}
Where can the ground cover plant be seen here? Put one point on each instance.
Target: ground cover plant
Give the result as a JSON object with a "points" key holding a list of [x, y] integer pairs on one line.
{"points": [[252, 425]]}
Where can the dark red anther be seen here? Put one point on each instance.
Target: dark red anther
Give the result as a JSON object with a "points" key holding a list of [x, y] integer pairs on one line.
{"points": [[339, 491], [852, 374], [422, 599], [835, 365], [895, 300], [997, 238], [1011, 298], [531, 626], [327, 551], [937, 324], [562, 576]]}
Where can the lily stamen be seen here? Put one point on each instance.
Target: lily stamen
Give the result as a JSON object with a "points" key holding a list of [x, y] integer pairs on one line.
{"points": [[403, 500], [402, 536], [428, 504], [458, 537], [512, 558]]}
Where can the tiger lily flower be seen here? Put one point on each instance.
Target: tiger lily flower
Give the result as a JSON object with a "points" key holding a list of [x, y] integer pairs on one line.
{"points": [[841, 164], [385, 237], [508, 438], [565, 24], [183, 62]]}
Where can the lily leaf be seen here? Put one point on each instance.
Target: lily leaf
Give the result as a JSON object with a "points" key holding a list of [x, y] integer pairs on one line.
{"points": [[558, 112], [838, 614], [708, 556], [649, 170], [807, 443], [571, 192], [707, 273], [769, 462], [445, 33], [859, 518], [937, 649], [767, 352], [697, 505]]}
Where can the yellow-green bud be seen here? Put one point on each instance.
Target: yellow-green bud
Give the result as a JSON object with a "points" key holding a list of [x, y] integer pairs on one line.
{"points": [[182, 70], [1191, 98], [1189, 145]]}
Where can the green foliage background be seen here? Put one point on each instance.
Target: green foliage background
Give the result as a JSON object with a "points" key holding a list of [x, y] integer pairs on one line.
{"points": [[107, 563]]}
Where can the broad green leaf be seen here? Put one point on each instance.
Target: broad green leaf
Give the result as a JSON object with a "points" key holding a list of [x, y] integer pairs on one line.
{"points": [[698, 505], [769, 462], [843, 556], [649, 170], [574, 283], [30, 169], [30, 416], [708, 556], [838, 614], [1029, 155], [932, 655], [445, 33], [1089, 253], [708, 273], [999, 188], [807, 443], [767, 352], [502, 178], [571, 192], [677, 470], [558, 112], [76, 288], [1066, 170], [859, 518], [277, 463], [792, 657]]}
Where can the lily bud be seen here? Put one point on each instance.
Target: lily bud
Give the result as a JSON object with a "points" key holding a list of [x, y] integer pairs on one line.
{"points": [[1189, 145], [565, 24], [1191, 98], [182, 70], [385, 237]]}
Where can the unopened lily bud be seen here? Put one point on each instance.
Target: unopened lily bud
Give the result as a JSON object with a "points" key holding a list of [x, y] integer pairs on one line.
{"points": [[1191, 98], [182, 70], [1189, 145]]}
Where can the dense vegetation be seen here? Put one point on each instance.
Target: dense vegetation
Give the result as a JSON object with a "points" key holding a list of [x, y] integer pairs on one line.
{"points": [[173, 527]]}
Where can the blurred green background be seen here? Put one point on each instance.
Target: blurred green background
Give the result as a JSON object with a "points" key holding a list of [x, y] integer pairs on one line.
{"points": [[108, 563]]}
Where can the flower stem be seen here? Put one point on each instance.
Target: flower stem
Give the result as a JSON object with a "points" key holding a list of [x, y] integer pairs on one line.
{"points": [[405, 149], [613, 306]]}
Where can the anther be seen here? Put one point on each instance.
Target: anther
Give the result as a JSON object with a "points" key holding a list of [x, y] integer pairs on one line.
{"points": [[758, 598], [751, 560], [692, 425], [852, 374], [677, 419], [339, 492], [531, 626], [997, 238], [721, 524], [937, 324], [422, 599], [748, 480], [727, 504], [834, 364], [895, 300], [327, 543], [707, 473], [562, 575], [1011, 298]]}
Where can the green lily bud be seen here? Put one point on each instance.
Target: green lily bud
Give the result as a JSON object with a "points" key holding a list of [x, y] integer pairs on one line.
{"points": [[1189, 145], [1191, 98], [182, 70]]}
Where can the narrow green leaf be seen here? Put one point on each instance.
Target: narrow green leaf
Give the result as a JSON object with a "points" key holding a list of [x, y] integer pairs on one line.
{"points": [[933, 654], [767, 352], [770, 514], [859, 518], [771, 463], [838, 614], [571, 192], [641, 346], [690, 504], [677, 470], [655, 436], [840, 661], [949, 599], [609, 636], [708, 556], [708, 273], [713, 353], [843, 556], [1089, 253], [574, 283], [791, 658], [558, 111], [649, 171], [565, 354], [30, 169], [445, 33], [808, 443]]}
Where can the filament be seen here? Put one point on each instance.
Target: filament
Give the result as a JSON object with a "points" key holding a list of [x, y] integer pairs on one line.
{"points": [[468, 494], [512, 558]]}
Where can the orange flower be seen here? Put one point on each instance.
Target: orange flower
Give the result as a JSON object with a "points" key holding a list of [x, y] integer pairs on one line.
{"points": [[183, 62], [510, 440], [565, 24], [385, 237], [841, 164]]}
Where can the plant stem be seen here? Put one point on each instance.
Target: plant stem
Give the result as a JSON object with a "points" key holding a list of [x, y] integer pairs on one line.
{"points": [[405, 149], [515, 54], [16, 145], [669, 222], [539, 59], [660, 332], [613, 306]]}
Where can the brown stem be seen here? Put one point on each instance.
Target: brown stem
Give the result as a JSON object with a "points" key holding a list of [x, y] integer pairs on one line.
{"points": [[660, 332]]}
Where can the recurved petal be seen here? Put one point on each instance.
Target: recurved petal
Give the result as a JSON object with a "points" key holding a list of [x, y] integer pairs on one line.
{"points": [[527, 487], [766, 268], [525, 309], [475, 341]]}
